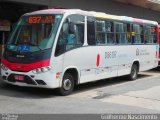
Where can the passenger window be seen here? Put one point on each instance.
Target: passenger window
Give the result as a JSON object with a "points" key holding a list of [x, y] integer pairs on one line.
{"points": [[147, 34], [153, 36], [71, 35], [136, 34], [121, 36], [110, 38], [150, 34], [104, 32], [127, 28], [100, 32], [91, 31], [142, 33]]}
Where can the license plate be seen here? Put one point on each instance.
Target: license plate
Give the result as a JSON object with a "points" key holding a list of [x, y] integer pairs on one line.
{"points": [[19, 77]]}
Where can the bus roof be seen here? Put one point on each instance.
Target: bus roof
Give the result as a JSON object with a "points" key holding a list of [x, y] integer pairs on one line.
{"points": [[124, 18], [94, 14], [47, 11]]}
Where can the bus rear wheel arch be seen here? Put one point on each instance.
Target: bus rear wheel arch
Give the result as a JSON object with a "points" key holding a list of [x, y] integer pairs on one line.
{"points": [[134, 71]]}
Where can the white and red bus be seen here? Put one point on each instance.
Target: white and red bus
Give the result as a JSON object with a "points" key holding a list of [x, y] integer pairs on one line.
{"points": [[61, 48]]}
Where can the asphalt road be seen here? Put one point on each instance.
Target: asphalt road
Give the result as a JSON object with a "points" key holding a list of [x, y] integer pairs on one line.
{"points": [[116, 95]]}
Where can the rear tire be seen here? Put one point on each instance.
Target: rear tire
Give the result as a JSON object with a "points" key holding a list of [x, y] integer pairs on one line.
{"points": [[67, 85], [134, 72]]}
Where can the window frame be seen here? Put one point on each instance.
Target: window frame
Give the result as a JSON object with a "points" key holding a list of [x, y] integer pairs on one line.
{"points": [[128, 32], [65, 45]]}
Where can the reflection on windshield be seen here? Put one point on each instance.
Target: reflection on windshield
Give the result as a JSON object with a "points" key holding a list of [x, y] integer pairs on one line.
{"points": [[34, 33]]}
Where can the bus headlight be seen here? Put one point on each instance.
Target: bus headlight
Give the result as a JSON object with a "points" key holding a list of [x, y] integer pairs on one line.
{"points": [[4, 67], [41, 70]]}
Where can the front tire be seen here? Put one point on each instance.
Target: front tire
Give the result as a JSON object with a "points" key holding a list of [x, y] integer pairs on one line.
{"points": [[67, 84], [134, 72]]}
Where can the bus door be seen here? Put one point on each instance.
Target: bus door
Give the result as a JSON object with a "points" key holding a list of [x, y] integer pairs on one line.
{"points": [[71, 39]]}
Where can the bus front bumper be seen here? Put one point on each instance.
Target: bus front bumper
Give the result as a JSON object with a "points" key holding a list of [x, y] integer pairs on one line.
{"points": [[29, 79]]}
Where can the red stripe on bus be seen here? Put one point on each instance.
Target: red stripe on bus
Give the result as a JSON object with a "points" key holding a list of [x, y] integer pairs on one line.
{"points": [[157, 54], [137, 20], [25, 67], [98, 60]]}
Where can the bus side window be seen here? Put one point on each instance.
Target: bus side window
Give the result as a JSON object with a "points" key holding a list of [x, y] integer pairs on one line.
{"points": [[128, 32], [100, 32], [91, 31], [136, 34], [71, 38], [147, 34], [110, 38], [62, 40], [121, 37], [142, 33], [71, 35], [79, 33], [154, 34]]}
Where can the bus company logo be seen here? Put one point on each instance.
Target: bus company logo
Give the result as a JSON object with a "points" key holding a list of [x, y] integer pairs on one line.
{"points": [[137, 52], [20, 56], [142, 52]]}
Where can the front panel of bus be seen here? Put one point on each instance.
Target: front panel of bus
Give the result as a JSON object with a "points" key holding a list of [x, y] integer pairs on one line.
{"points": [[27, 54]]}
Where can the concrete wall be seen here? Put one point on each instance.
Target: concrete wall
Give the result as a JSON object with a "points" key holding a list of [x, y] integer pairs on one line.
{"points": [[107, 6]]}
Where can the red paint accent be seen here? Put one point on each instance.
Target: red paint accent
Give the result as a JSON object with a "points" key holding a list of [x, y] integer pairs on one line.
{"points": [[156, 54], [25, 67], [98, 60], [51, 10], [138, 20]]}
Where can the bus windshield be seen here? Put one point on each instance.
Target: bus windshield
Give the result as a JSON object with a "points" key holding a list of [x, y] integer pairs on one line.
{"points": [[34, 33]]}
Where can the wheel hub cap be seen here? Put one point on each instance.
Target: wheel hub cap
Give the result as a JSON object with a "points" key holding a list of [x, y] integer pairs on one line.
{"points": [[67, 84]]}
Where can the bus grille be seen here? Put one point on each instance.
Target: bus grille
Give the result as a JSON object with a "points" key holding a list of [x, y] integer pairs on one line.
{"points": [[27, 79]]}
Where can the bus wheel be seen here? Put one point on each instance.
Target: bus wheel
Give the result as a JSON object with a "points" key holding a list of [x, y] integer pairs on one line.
{"points": [[67, 84], [134, 72]]}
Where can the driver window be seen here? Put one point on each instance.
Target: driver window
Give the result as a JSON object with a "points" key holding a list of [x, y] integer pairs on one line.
{"points": [[71, 35]]}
